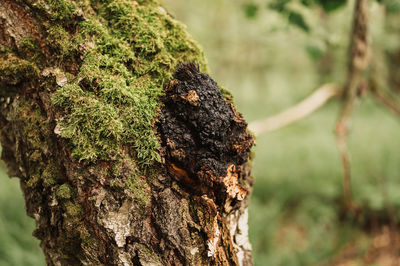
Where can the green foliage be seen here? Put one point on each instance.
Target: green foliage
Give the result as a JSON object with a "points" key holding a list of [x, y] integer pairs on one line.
{"points": [[392, 6], [279, 6], [332, 5], [327, 5], [316, 50], [251, 10], [294, 17], [297, 19]]}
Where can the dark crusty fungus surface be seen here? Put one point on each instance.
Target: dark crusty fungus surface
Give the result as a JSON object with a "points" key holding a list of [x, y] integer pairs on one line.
{"points": [[205, 139]]}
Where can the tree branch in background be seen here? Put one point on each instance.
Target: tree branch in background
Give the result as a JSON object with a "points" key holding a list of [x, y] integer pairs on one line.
{"points": [[358, 62], [297, 112], [384, 98]]}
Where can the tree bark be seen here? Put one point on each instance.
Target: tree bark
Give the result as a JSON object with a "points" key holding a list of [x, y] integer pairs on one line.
{"points": [[126, 155]]}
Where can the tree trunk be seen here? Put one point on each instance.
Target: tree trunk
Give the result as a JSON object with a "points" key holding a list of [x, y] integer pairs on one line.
{"points": [[125, 155]]}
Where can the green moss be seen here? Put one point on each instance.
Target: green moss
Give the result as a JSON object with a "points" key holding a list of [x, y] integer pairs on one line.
{"points": [[91, 141], [50, 175], [33, 180], [135, 184], [34, 122], [148, 255], [131, 53], [58, 40], [36, 156], [117, 58], [29, 49], [140, 190], [13, 71], [226, 94], [72, 209], [64, 191], [35, 126], [62, 10]]}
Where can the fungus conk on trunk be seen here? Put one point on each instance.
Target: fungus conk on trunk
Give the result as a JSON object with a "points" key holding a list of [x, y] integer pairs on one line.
{"points": [[127, 152]]}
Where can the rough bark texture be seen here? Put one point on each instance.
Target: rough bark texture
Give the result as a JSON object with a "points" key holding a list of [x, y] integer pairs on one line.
{"points": [[124, 157]]}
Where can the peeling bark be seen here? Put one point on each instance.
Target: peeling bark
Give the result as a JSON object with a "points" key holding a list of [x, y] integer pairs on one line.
{"points": [[189, 208]]}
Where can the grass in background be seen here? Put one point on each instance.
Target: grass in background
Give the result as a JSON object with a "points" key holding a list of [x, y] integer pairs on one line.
{"points": [[294, 211], [17, 245], [269, 66]]}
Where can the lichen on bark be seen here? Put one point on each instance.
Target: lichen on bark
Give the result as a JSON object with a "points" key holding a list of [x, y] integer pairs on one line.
{"points": [[81, 89]]}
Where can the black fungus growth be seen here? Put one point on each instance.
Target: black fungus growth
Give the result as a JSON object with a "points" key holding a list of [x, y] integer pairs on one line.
{"points": [[201, 132]]}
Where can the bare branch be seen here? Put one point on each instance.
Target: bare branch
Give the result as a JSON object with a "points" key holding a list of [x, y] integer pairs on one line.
{"points": [[358, 62], [383, 98], [297, 112]]}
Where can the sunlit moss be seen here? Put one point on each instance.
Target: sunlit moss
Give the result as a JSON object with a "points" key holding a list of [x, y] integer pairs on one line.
{"points": [[64, 192], [130, 53]]}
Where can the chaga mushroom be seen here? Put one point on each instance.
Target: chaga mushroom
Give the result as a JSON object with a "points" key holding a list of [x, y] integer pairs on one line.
{"points": [[205, 138]]}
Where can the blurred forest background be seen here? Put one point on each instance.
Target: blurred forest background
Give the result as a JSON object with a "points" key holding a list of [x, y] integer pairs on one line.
{"points": [[271, 54]]}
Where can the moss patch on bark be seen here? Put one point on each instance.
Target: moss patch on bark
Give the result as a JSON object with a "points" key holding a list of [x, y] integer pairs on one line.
{"points": [[130, 51], [115, 57]]}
